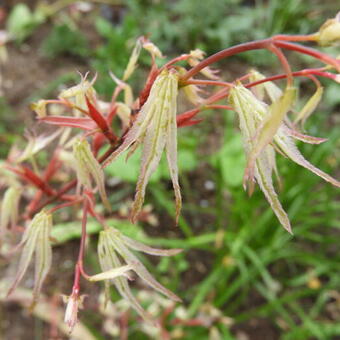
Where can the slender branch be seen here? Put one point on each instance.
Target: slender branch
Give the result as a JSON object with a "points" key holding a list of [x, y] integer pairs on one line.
{"points": [[284, 62], [206, 82], [64, 205], [176, 60], [302, 73], [309, 51], [79, 270], [287, 37], [253, 45], [224, 107], [256, 45], [59, 194]]}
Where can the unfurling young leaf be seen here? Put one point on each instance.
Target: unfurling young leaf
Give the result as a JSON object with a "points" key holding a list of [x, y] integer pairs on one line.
{"points": [[329, 32], [310, 106], [269, 87], [78, 93], [35, 144], [287, 145], [36, 238], [155, 127], [111, 274], [132, 64], [88, 168], [251, 112], [268, 128], [112, 245], [9, 208], [195, 57]]}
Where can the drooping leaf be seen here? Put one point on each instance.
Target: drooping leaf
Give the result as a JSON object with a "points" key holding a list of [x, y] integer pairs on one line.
{"points": [[268, 128], [135, 245], [139, 268], [155, 127], [288, 147], [109, 260], [304, 138], [35, 239], [132, 64], [9, 208], [111, 274], [87, 167], [35, 144], [43, 256], [251, 111], [263, 175], [310, 106]]}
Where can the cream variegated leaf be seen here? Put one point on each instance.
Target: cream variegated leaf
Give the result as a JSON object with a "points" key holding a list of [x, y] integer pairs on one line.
{"points": [[195, 57], [111, 247], [77, 94], [139, 268], [263, 175], [192, 94], [152, 49], [302, 137], [35, 144], [108, 260], [268, 87], [268, 128], [252, 114], [111, 273], [9, 207], [310, 106], [128, 94], [171, 153], [25, 259], [250, 111], [124, 113], [132, 64], [36, 238], [135, 245], [88, 167], [258, 90], [156, 129], [288, 147], [153, 145], [43, 256], [149, 110]]}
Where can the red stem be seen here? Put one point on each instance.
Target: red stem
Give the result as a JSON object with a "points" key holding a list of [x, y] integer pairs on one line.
{"points": [[207, 82], [302, 73], [58, 194], [284, 62], [176, 60], [79, 270], [309, 51], [286, 37], [64, 205], [256, 45], [253, 45]]}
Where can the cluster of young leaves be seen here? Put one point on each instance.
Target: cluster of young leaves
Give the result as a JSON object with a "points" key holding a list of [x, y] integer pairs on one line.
{"points": [[155, 128]]}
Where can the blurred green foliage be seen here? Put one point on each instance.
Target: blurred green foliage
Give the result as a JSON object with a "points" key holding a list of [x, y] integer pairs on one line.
{"points": [[22, 21], [64, 39]]}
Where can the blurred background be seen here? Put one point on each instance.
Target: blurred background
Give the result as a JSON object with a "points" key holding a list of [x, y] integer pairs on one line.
{"points": [[241, 276]]}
